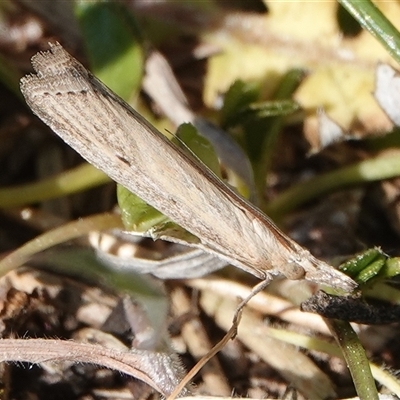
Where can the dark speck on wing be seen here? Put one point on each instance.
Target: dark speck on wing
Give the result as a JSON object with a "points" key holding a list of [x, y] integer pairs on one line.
{"points": [[124, 160]]}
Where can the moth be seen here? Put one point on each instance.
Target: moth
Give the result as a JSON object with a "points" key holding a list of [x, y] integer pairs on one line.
{"points": [[113, 137]]}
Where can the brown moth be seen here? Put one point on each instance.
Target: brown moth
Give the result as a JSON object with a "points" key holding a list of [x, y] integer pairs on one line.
{"points": [[112, 136]]}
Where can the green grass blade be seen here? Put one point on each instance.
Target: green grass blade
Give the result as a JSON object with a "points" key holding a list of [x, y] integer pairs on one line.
{"points": [[72, 181], [372, 19]]}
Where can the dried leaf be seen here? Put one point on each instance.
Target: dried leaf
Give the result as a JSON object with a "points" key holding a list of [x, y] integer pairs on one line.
{"points": [[160, 371], [340, 68]]}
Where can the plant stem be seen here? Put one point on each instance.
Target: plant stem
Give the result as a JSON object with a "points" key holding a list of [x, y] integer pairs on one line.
{"points": [[75, 180], [287, 86], [71, 230], [365, 171], [372, 19], [355, 357]]}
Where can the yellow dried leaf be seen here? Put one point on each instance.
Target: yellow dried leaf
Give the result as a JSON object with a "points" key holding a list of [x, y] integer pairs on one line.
{"points": [[306, 35]]}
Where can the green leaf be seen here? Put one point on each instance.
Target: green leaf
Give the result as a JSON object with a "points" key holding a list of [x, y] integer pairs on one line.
{"points": [[370, 264], [135, 213], [265, 109], [199, 146], [113, 45], [354, 266], [391, 268], [370, 271], [238, 96]]}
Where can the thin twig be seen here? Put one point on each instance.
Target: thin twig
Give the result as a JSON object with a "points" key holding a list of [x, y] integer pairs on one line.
{"points": [[231, 334]]}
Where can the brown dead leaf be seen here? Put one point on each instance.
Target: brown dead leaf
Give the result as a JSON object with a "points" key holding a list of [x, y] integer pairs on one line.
{"points": [[286, 359]]}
